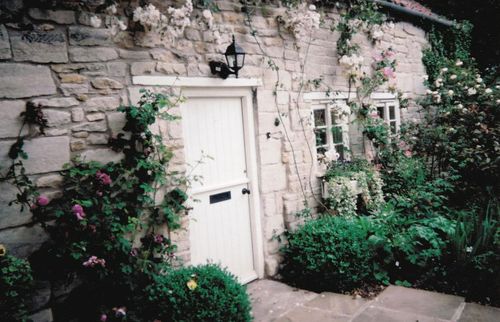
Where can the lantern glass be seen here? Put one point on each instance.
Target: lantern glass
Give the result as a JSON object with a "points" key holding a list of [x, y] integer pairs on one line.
{"points": [[240, 60], [230, 60]]}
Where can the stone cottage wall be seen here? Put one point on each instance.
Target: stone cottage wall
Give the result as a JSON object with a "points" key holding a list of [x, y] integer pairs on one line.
{"points": [[80, 75]]}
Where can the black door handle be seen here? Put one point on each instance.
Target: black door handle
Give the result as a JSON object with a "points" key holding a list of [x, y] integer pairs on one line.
{"points": [[245, 191]]}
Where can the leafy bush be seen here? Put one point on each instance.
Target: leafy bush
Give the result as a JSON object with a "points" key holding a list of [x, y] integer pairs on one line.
{"points": [[198, 293], [15, 285], [330, 253]]}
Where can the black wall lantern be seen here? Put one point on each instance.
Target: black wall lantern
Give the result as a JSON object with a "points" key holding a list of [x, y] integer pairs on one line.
{"points": [[235, 58]]}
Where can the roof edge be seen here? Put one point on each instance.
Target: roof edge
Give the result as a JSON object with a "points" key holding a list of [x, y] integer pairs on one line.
{"points": [[413, 12]]}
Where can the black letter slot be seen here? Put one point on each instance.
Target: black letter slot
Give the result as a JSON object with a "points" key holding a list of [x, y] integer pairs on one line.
{"points": [[219, 197]]}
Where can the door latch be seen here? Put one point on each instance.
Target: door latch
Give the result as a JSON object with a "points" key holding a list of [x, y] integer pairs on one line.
{"points": [[245, 191]]}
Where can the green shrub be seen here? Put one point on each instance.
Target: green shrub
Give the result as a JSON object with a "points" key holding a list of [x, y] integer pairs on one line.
{"points": [[198, 293], [15, 285], [330, 253]]}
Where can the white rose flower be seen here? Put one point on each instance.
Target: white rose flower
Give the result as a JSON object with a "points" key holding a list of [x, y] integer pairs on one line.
{"points": [[460, 106], [122, 25], [498, 101], [425, 77], [111, 10], [459, 63], [453, 76], [471, 91], [312, 7], [469, 249], [444, 70], [95, 21], [479, 80], [428, 91], [450, 92], [488, 91]]}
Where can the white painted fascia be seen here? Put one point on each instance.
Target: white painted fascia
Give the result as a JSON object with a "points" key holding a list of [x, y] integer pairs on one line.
{"points": [[181, 81]]}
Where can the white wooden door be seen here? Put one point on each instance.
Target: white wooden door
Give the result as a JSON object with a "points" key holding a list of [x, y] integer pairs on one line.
{"points": [[220, 226]]}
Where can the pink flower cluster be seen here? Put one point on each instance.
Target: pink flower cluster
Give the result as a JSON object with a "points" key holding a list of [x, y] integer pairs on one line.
{"points": [[93, 261], [77, 210], [103, 178], [388, 72], [42, 201]]}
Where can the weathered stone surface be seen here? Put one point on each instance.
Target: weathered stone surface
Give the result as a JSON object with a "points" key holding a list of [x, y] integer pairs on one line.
{"points": [[10, 119], [56, 118], [176, 69], [420, 302], [94, 69], [133, 54], [80, 54], [72, 78], [92, 117], [106, 83], [55, 132], [91, 127], [11, 215], [23, 241], [116, 122], [49, 181], [72, 89], [98, 138], [87, 36], [338, 303], [142, 68], [46, 154], [77, 144], [63, 17], [81, 134], [102, 155], [39, 46], [40, 296], [4, 43], [43, 316], [56, 102], [273, 178], [100, 104], [117, 69], [474, 312], [77, 114], [20, 80]]}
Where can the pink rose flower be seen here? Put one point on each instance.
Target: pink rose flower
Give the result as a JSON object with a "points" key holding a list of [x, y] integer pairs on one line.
{"points": [[408, 153], [388, 72], [103, 178], [78, 212], [93, 261], [158, 239], [103, 318], [42, 201], [377, 58]]}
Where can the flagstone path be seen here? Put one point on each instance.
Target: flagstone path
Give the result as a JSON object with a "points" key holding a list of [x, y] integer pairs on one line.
{"points": [[278, 302]]}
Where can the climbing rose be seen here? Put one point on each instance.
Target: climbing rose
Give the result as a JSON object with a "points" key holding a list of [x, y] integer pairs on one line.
{"points": [[103, 318], [388, 72], [42, 201], [158, 239], [78, 212], [93, 261], [103, 178]]}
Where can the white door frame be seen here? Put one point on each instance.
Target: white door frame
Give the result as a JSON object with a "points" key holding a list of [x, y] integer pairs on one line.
{"points": [[250, 150]]}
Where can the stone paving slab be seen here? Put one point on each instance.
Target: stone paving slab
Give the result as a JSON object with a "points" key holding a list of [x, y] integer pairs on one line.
{"points": [[341, 304], [379, 314], [421, 302], [271, 299], [474, 312]]}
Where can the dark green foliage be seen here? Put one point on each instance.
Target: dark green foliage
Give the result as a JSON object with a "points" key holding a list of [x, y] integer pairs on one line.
{"points": [[199, 293], [15, 286], [330, 253]]}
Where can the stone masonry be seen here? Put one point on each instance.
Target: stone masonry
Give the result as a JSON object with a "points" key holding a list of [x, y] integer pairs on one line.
{"points": [[80, 75]]}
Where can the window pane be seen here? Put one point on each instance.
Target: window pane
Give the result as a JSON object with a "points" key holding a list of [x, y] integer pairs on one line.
{"points": [[380, 110], [320, 137], [321, 150], [392, 112], [337, 134], [319, 117], [393, 127]]}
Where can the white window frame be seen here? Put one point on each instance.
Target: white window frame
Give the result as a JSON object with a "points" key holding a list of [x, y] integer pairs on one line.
{"points": [[385, 101]]}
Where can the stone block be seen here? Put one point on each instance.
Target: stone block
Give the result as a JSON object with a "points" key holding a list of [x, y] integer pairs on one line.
{"points": [[88, 36], [5, 52], [20, 80], [74, 89], [102, 155], [100, 104], [72, 78], [142, 68], [10, 118], [56, 102], [269, 150], [268, 123], [119, 69], [56, 118], [39, 46], [63, 17], [42, 316], [134, 54], [116, 122], [106, 83], [95, 117], [271, 266], [171, 69], [273, 178], [11, 215], [90, 127], [97, 138], [273, 226], [49, 181], [45, 154], [77, 144], [474, 312], [81, 54], [23, 241]]}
